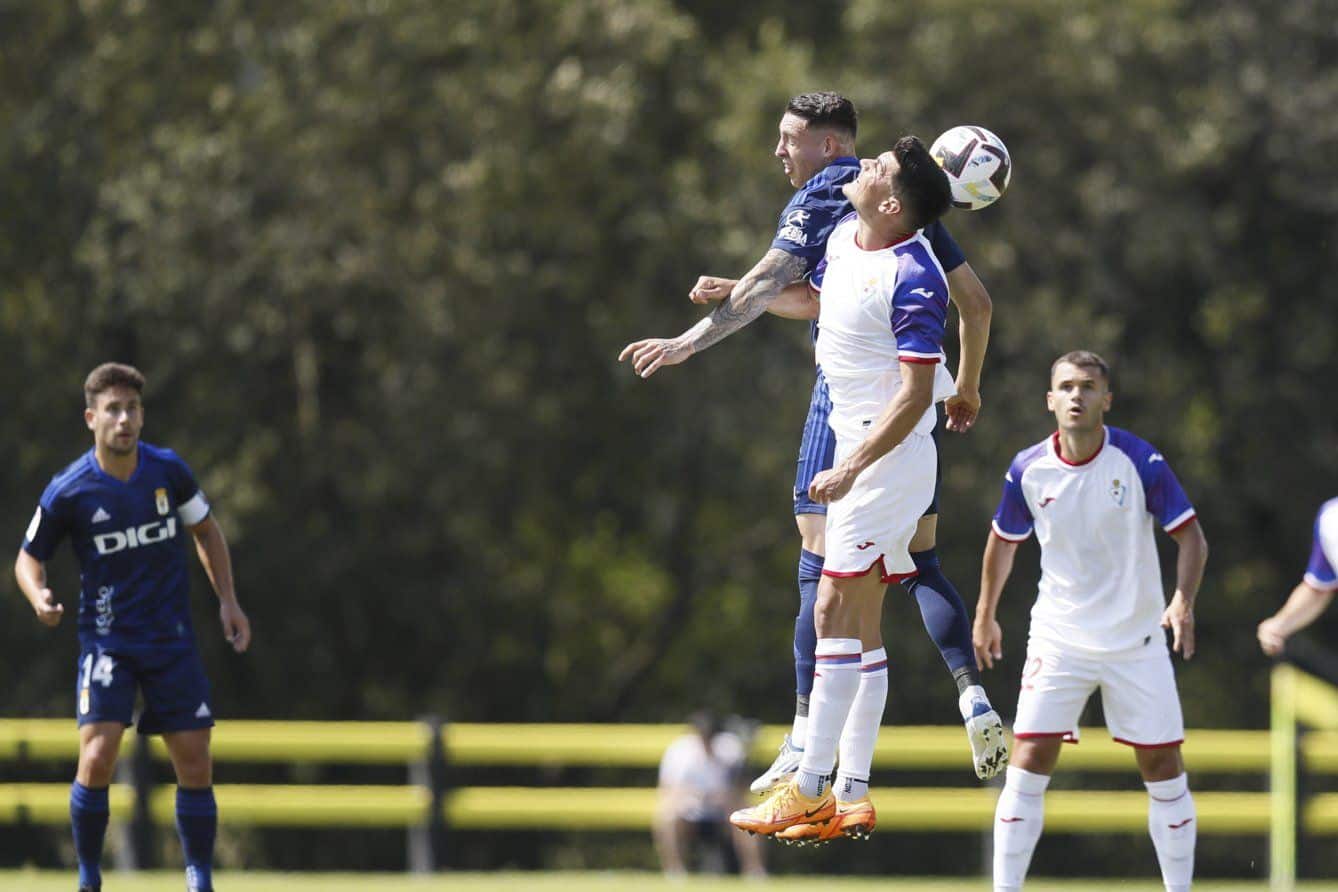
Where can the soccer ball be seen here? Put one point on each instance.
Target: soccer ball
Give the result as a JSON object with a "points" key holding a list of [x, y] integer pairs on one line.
{"points": [[977, 164]]}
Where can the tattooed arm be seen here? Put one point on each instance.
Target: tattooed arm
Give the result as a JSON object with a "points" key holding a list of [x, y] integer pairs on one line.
{"points": [[750, 299]]}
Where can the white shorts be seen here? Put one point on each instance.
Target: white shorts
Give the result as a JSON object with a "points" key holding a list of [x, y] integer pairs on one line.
{"points": [[1138, 696], [873, 524]]}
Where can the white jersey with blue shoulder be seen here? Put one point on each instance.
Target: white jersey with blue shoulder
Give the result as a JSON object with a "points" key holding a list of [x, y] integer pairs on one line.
{"points": [[1101, 586], [878, 309], [1320, 572]]}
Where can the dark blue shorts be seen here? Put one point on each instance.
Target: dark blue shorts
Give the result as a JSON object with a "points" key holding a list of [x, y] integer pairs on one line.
{"points": [[175, 689], [817, 450]]}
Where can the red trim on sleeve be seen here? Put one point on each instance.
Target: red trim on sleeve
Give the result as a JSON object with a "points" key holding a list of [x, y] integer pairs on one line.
{"points": [[916, 360], [1184, 523]]}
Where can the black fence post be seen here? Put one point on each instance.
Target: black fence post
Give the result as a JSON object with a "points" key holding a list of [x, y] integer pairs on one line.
{"points": [[427, 841]]}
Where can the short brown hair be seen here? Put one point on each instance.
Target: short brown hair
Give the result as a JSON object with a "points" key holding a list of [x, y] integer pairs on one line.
{"points": [[1083, 359], [109, 375]]}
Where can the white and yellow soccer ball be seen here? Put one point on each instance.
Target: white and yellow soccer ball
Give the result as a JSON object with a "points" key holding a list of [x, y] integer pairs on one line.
{"points": [[977, 164]]}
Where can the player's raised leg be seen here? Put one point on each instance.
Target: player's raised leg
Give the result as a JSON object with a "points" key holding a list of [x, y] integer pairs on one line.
{"points": [[197, 812], [945, 619], [808, 799], [99, 744]]}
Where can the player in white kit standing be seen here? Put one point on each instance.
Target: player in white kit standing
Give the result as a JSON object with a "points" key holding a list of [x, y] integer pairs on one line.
{"points": [[884, 302], [1092, 494]]}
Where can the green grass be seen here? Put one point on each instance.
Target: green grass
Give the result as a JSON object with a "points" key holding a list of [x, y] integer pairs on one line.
{"points": [[234, 881]]}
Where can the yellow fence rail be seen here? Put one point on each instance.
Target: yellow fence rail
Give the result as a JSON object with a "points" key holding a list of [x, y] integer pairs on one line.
{"points": [[1280, 754]]}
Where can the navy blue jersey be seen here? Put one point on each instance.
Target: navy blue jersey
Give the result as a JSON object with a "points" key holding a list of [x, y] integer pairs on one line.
{"points": [[128, 537], [818, 205]]}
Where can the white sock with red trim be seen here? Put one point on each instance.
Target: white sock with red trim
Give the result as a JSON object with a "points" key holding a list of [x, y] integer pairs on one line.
{"points": [[835, 681], [1018, 819], [1173, 824], [860, 733]]}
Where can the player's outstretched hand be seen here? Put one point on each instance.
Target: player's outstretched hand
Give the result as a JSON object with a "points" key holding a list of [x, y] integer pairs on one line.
{"points": [[831, 486], [710, 289], [1179, 618], [1273, 636], [236, 627], [962, 410], [48, 610], [652, 353], [987, 639]]}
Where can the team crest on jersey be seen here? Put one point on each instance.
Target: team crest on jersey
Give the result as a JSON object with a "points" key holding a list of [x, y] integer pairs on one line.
{"points": [[1118, 491], [160, 499]]}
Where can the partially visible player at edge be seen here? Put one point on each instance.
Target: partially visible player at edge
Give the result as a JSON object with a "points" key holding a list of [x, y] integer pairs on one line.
{"points": [[1092, 494], [122, 504], [816, 148], [1314, 592], [884, 306]]}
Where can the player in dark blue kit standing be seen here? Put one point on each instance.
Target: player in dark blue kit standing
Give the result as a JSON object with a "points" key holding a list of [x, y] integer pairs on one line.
{"points": [[124, 506], [817, 151]]}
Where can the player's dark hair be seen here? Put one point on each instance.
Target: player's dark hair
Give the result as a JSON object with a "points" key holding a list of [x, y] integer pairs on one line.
{"points": [[920, 184], [1083, 359], [826, 110], [109, 375]]}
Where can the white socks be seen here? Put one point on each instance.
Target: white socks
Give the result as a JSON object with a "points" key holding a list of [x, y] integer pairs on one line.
{"points": [[861, 728], [799, 731], [1020, 814], [1173, 825], [835, 681], [1018, 819]]}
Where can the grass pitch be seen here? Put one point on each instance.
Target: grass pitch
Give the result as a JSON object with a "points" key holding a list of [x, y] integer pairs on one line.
{"points": [[234, 881]]}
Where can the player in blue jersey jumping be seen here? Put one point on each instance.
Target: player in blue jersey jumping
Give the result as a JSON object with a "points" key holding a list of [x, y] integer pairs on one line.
{"points": [[816, 148], [124, 506]]}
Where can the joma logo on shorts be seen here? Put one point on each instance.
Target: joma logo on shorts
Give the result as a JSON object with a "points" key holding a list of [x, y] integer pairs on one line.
{"points": [[134, 537]]}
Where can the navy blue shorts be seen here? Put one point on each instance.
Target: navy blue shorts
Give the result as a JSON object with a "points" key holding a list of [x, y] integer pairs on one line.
{"points": [[175, 689], [817, 450]]}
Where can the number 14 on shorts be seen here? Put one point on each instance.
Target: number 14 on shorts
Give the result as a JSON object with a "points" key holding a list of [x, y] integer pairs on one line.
{"points": [[97, 668]]}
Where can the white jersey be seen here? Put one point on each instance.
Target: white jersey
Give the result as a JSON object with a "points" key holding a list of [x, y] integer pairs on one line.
{"points": [[1101, 588], [878, 309], [704, 779]]}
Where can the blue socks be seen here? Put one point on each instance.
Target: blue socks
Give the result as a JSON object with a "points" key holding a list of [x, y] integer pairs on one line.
{"points": [[805, 632], [197, 825], [944, 617], [89, 811]]}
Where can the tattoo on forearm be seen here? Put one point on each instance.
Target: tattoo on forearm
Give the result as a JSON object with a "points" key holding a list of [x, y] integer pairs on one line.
{"points": [[750, 299]]}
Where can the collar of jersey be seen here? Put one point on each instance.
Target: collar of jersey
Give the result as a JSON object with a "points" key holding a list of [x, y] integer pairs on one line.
{"points": [[1054, 450], [97, 468]]}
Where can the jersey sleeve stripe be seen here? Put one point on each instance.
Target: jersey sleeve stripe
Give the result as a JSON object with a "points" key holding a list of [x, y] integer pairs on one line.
{"points": [[1181, 521], [918, 358], [1007, 536], [195, 510], [1322, 585]]}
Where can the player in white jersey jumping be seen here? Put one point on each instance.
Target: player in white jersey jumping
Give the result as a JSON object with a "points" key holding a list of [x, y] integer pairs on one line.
{"points": [[1313, 594], [883, 309], [1092, 495]]}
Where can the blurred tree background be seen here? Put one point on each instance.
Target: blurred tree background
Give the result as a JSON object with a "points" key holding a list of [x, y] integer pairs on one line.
{"points": [[378, 257]]}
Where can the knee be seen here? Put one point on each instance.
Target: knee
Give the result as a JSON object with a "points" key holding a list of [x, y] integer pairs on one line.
{"points": [[1160, 764], [97, 762]]}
